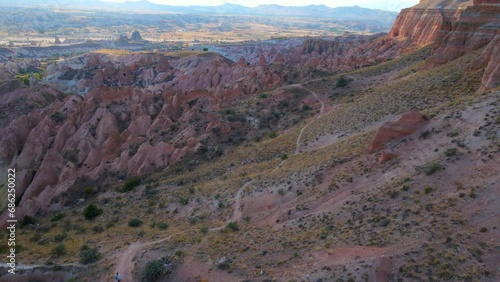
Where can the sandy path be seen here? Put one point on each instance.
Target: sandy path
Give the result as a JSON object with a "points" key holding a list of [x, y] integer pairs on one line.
{"points": [[126, 264], [297, 144]]}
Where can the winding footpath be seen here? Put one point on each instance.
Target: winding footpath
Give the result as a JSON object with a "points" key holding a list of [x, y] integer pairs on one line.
{"points": [[126, 264], [297, 144]]}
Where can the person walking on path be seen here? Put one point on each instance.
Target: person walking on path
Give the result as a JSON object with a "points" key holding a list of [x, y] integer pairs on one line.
{"points": [[118, 277]]}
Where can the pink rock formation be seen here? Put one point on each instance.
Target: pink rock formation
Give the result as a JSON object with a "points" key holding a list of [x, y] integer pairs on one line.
{"points": [[477, 26], [392, 131]]}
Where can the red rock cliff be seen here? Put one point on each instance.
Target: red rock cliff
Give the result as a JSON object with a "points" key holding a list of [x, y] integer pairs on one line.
{"points": [[422, 26], [456, 27], [476, 27]]}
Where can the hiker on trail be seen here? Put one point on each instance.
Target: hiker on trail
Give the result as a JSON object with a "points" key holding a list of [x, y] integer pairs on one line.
{"points": [[118, 277]]}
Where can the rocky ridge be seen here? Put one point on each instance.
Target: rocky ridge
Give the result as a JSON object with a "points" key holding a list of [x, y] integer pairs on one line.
{"points": [[135, 114]]}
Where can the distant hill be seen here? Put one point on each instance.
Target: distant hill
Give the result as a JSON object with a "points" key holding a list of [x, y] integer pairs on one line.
{"points": [[316, 11]]}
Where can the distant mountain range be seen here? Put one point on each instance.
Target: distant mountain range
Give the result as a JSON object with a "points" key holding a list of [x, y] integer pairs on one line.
{"points": [[316, 11]]}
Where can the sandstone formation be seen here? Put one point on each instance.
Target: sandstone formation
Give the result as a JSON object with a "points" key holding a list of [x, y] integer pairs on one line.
{"points": [[136, 114], [476, 26], [456, 28]]}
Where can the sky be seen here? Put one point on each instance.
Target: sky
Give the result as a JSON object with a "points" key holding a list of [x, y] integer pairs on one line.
{"points": [[390, 5]]}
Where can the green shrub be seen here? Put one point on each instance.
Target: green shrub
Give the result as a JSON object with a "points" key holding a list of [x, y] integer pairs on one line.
{"points": [[162, 225], [272, 134], [92, 211], [184, 200], [233, 226], [79, 229], [135, 222], [424, 134], [432, 167], [57, 116], [428, 190], [27, 220], [204, 229], [59, 250], [342, 82], [450, 152], [153, 271], [453, 133], [89, 255], [283, 156], [58, 216], [60, 237], [131, 183]]}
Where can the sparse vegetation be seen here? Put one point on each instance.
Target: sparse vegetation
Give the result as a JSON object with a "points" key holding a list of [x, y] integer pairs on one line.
{"points": [[59, 250], [135, 222], [450, 152], [153, 271], [27, 220], [60, 237], [342, 82], [89, 255], [92, 211], [233, 226], [431, 168], [204, 229], [58, 216], [131, 183]]}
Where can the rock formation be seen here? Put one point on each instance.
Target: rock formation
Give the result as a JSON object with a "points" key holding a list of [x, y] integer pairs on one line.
{"points": [[456, 28], [136, 36], [393, 131], [476, 26], [136, 114]]}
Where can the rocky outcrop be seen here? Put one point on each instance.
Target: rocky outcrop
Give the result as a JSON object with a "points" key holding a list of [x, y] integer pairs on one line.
{"points": [[421, 26], [408, 124], [422, 23], [137, 113], [490, 57], [477, 26], [456, 28], [136, 36], [340, 53]]}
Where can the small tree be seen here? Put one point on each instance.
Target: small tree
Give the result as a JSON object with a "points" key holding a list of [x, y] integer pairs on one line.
{"points": [[135, 222], [92, 211], [153, 271], [233, 226], [205, 49], [27, 220]]}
